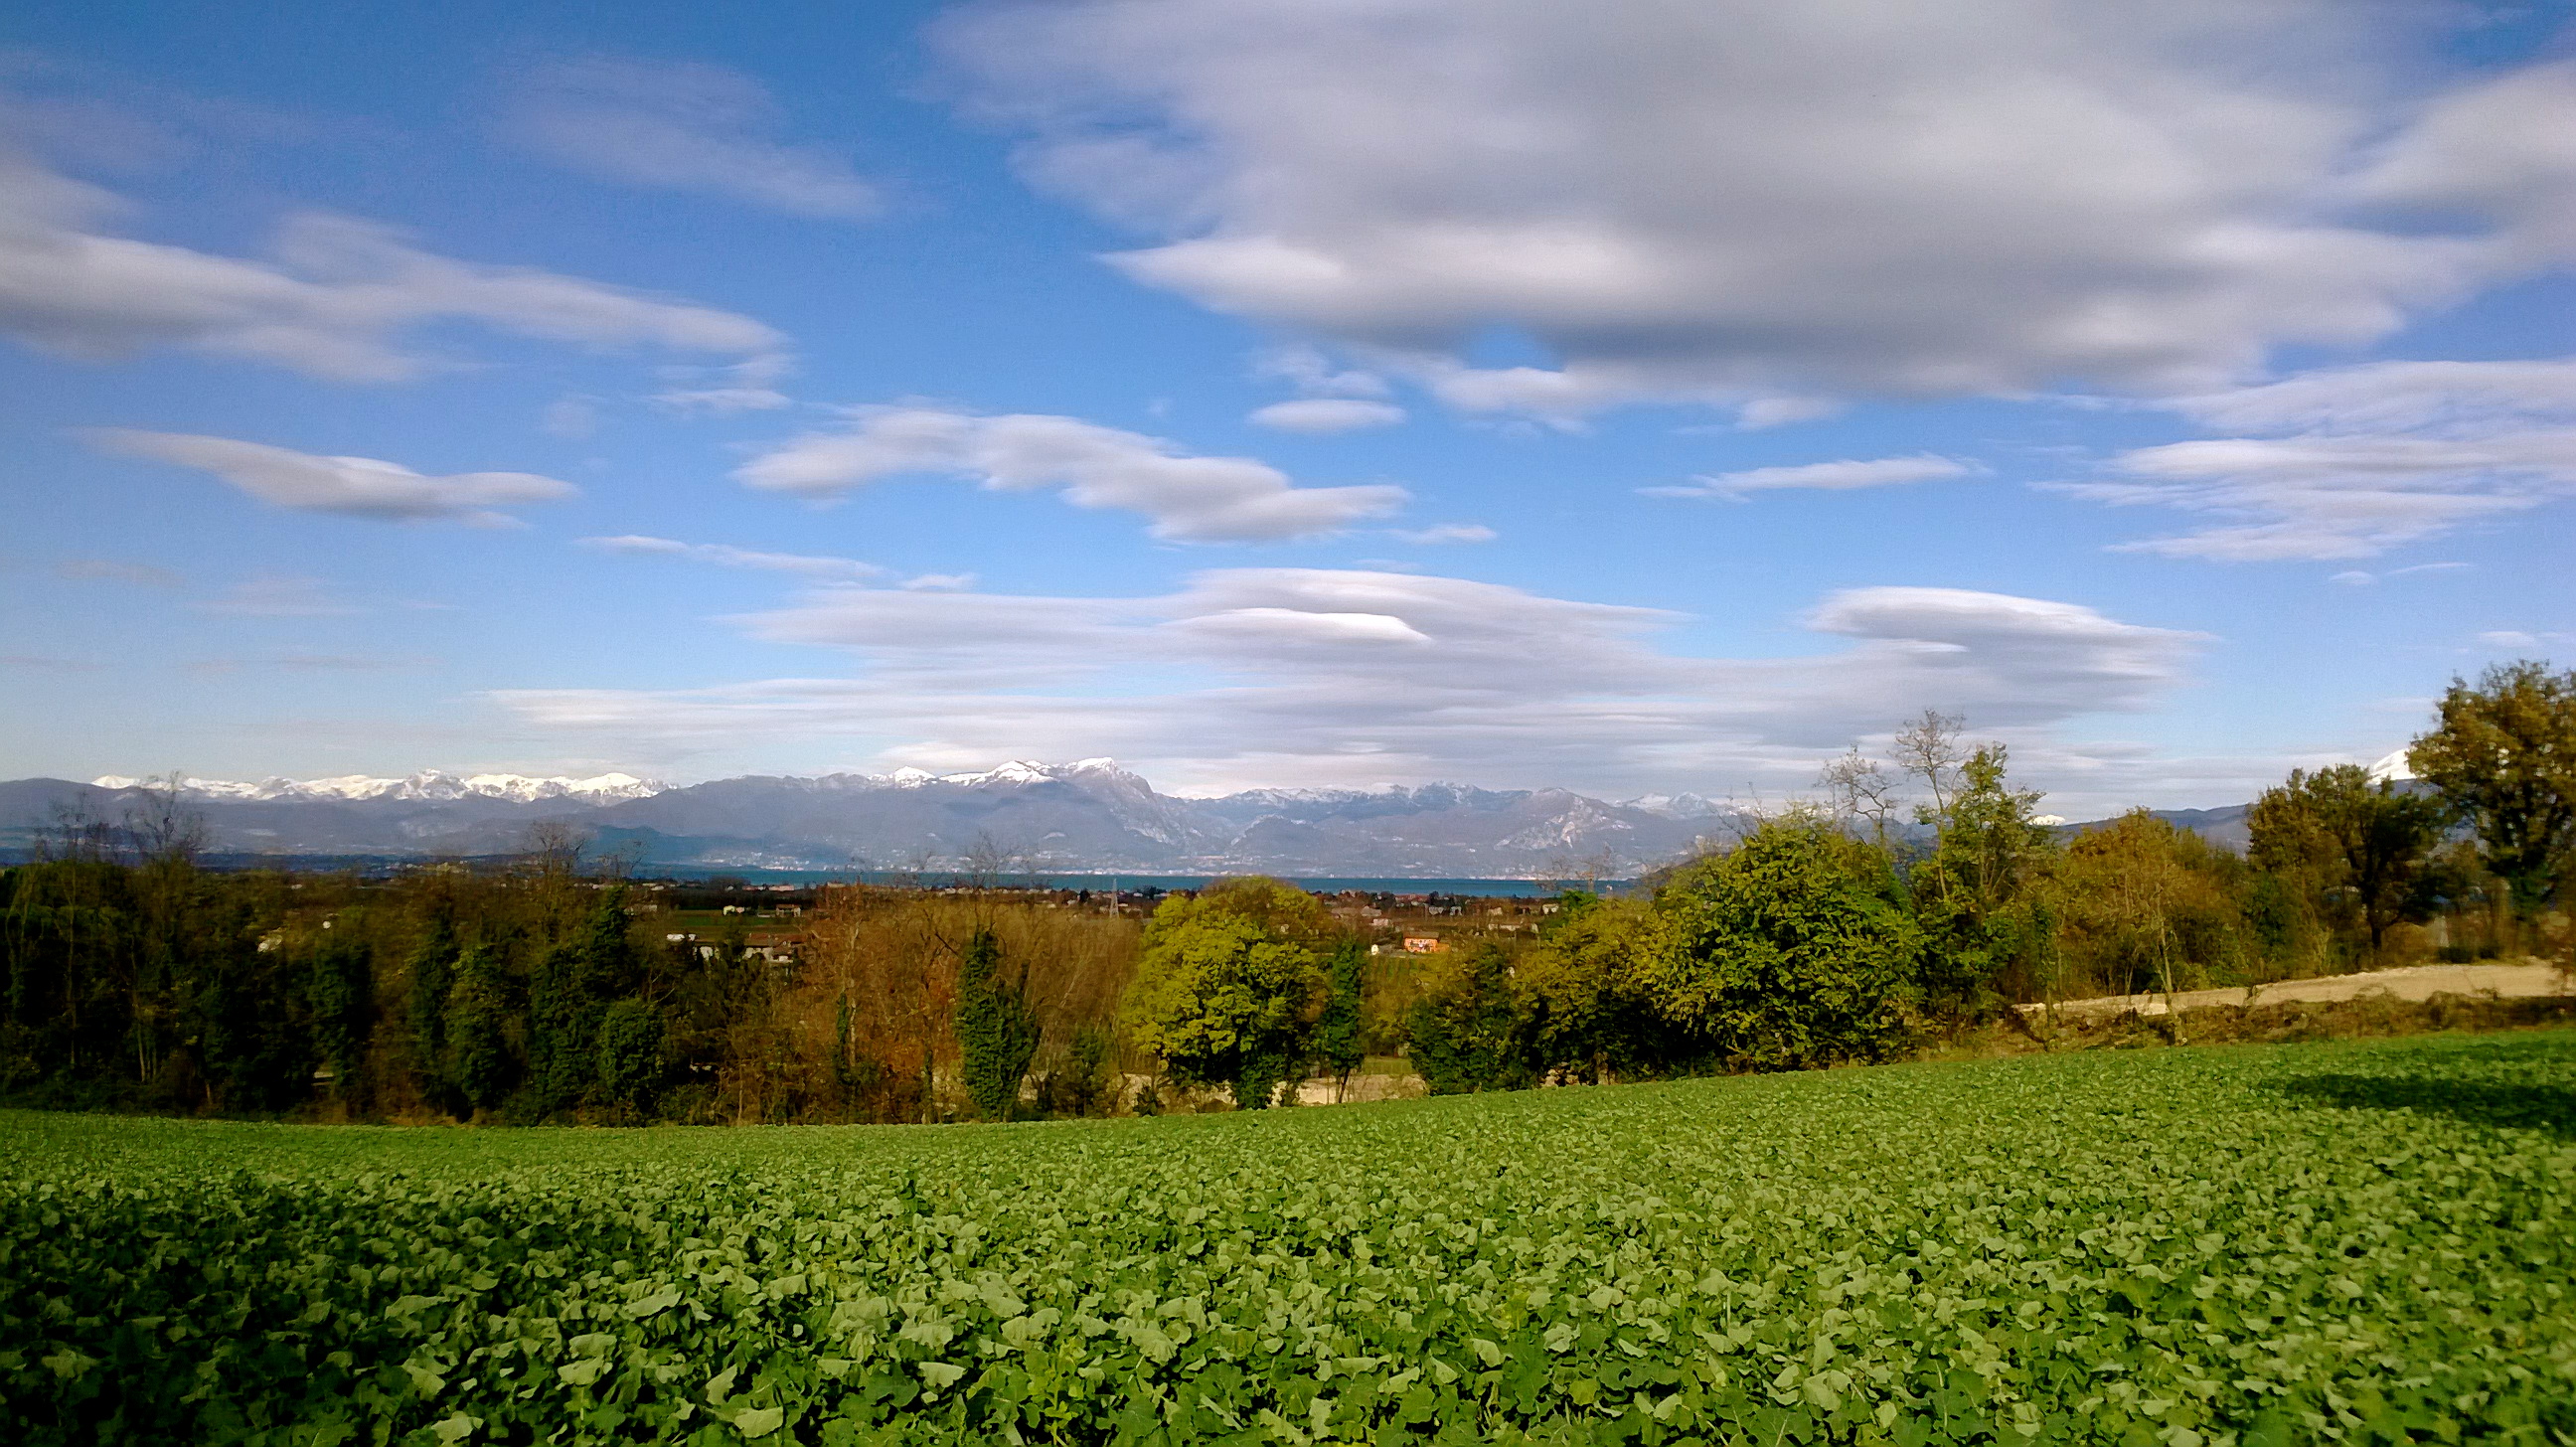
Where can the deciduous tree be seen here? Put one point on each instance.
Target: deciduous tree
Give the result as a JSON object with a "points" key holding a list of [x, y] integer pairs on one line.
{"points": [[2503, 754], [1228, 987]]}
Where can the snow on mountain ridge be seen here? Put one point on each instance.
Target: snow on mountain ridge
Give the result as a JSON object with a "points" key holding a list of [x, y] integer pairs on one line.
{"points": [[428, 784]]}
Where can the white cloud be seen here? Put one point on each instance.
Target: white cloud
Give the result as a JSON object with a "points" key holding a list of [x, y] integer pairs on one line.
{"points": [[2358, 578], [1767, 412], [360, 487], [111, 570], [1741, 202], [332, 300], [1190, 499], [274, 596], [746, 386], [314, 663], [1324, 415], [724, 555], [1840, 476], [1314, 375], [1259, 675], [2375, 457], [682, 127], [570, 418], [1440, 533], [2504, 150], [2519, 641]]}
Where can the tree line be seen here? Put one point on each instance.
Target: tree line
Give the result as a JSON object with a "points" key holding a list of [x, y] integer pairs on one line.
{"points": [[1915, 896]]}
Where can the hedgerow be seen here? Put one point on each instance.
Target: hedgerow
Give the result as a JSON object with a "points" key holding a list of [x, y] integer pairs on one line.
{"points": [[2366, 1243]]}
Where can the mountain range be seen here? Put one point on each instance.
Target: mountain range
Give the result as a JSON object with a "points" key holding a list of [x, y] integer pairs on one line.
{"points": [[1090, 816]]}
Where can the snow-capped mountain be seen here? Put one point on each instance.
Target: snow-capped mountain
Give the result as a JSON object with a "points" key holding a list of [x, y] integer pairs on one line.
{"points": [[1086, 815], [429, 784], [1083, 817]]}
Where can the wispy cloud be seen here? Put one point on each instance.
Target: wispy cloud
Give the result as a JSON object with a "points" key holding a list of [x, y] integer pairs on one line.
{"points": [[1441, 533], [682, 127], [1189, 498], [334, 298], [2358, 578], [361, 487], [803, 564], [750, 385], [2358, 460], [1326, 415], [1840, 476], [112, 570], [1333, 399], [1325, 675], [312, 663], [2515, 639], [276, 596]]}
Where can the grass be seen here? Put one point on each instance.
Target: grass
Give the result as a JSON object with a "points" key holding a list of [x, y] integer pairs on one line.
{"points": [[2346, 1241]]}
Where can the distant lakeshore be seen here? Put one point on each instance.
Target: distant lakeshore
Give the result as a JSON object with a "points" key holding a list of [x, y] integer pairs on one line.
{"points": [[374, 865]]}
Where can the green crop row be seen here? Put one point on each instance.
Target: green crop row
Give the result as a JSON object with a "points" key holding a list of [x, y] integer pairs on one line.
{"points": [[2255, 1245]]}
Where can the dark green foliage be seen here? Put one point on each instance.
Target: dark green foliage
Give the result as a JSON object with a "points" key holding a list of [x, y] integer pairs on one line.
{"points": [[1086, 1072], [563, 1030], [1787, 952], [479, 1058], [1339, 1046], [2361, 849], [1978, 895], [432, 976], [630, 1057], [569, 996], [997, 1032], [2503, 755], [340, 990], [1464, 1035], [256, 1038], [1586, 1013]]}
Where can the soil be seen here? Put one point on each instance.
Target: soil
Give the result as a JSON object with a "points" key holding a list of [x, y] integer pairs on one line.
{"points": [[2532, 979]]}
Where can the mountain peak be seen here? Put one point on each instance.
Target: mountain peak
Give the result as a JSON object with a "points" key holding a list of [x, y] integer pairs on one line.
{"points": [[427, 784]]}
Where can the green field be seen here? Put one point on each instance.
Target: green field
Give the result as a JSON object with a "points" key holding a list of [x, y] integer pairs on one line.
{"points": [[2337, 1242]]}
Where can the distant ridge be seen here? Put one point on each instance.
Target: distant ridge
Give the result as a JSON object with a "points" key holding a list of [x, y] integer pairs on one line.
{"points": [[428, 784], [1086, 816]]}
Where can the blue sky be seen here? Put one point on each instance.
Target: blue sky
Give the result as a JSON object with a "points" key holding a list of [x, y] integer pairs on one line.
{"points": [[1641, 400]]}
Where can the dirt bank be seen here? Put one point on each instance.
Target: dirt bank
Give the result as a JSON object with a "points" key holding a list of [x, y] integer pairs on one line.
{"points": [[2531, 979]]}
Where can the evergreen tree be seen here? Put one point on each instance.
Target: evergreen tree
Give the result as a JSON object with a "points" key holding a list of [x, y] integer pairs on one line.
{"points": [[1464, 1036], [569, 995], [340, 991], [630, 1057], [478, 1058], [1339, 1047], [432, 977], [997, 1032]]}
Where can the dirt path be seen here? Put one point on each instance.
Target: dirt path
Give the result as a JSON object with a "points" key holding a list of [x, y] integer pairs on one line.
{"points": [[2415, 982]]}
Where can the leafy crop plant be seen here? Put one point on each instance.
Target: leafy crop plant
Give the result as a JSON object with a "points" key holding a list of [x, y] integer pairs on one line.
{"points": [[2317, 1243]]}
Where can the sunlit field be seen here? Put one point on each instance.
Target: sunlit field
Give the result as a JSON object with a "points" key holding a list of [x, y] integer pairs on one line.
{"points": [[2364, 1242]]}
